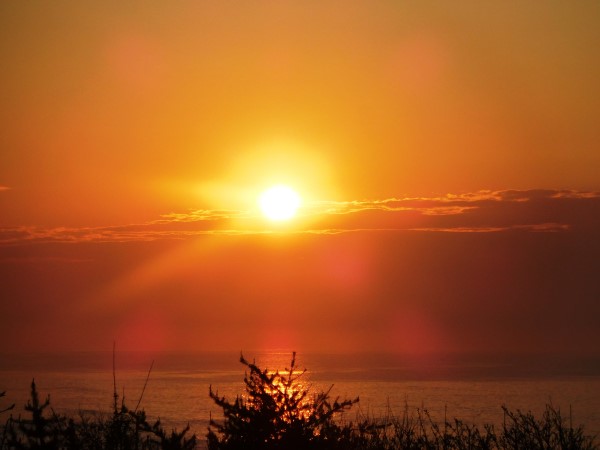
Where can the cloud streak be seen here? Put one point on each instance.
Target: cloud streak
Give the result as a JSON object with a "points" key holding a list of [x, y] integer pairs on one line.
{"points": [[480, 212]]}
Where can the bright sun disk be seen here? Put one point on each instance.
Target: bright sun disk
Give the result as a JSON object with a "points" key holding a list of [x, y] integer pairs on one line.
{"points": [[279, 202]]}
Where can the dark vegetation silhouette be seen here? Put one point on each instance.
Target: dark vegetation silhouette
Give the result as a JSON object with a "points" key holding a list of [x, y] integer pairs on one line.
{"points": [[6, 408], [279, 411], [124, 429]]}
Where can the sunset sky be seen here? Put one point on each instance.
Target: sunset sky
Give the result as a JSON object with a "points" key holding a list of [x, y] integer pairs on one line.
{"points": [[446, 154]]}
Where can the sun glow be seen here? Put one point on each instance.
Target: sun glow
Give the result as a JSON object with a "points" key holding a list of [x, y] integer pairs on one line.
{"points": [[279, 203]]}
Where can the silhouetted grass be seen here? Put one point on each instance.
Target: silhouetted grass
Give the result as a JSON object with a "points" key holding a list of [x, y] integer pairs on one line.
{"points": [[277, 412], [417, 430]]}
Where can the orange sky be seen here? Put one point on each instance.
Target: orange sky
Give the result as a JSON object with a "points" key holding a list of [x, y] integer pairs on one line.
{"points": [[447, 155]]}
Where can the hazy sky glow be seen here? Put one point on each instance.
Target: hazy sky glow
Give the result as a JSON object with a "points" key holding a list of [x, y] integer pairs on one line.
{"points": [[447, 155]]}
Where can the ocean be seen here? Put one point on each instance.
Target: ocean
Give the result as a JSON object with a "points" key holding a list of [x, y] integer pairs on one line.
{"points": [[472, 388]]}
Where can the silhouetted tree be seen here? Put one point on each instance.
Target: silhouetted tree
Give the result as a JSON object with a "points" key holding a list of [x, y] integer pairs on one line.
{"points": [[39, 432], [278, 412]]}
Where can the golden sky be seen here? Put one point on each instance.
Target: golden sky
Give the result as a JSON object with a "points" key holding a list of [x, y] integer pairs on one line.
{"points": [[447, 155]]}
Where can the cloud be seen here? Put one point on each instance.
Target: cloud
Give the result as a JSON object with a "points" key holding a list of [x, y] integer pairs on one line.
{"points": [[201, 215], [4, 188], [428, 206], [479, 212], [541, 227]]}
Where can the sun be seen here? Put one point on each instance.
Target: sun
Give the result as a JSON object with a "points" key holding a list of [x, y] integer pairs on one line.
{"points": [[279, 202]]}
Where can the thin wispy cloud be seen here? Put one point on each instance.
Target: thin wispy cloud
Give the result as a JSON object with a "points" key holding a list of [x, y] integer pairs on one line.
{"points": [[202, 215], [435, 206], [541, 227], [480, 212]]}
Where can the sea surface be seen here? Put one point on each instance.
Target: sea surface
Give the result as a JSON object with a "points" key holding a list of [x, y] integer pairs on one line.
{"points": [[472, 388]]}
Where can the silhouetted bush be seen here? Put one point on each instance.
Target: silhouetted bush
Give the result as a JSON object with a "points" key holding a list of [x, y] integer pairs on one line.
{"points": [[278, 412]]}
